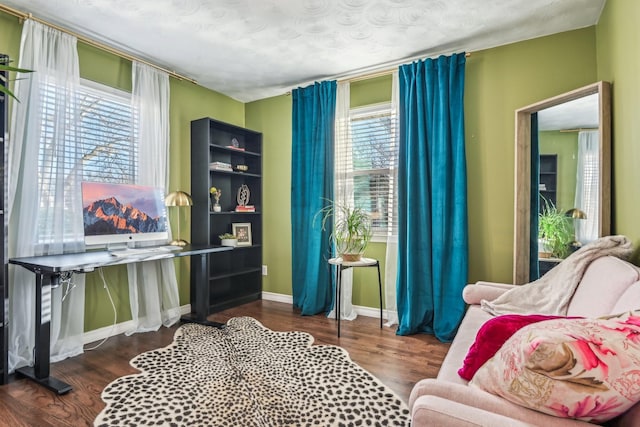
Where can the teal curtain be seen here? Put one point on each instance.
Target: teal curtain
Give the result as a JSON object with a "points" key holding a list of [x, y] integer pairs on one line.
{"points": [[432, 198], [534, 264], [312, 157]]}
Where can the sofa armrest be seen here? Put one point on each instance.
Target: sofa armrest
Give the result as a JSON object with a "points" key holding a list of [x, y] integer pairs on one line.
{"points": [[473, 294], [476, 398], [438, 411]]}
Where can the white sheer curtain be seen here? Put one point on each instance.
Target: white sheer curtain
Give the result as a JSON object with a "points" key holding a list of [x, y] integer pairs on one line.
{"points": [[153, 288], [391, 260], [343, 186], [45, 213], [587, 186]]}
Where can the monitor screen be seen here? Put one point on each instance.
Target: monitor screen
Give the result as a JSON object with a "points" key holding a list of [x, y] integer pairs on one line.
{"points": [[123, 213]]}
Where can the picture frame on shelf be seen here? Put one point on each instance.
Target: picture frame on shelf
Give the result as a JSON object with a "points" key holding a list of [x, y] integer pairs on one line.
{"points": [[242, 230]]}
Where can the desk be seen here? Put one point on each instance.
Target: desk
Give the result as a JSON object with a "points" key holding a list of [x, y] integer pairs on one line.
{"points": [[343, 265], [48, 270]]}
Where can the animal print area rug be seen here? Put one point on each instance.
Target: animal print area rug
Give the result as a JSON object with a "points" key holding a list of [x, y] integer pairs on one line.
{"points": [[247, 375]]}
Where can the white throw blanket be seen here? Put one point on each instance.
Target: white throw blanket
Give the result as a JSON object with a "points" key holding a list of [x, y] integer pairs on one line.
{"points": [[551, 293]]}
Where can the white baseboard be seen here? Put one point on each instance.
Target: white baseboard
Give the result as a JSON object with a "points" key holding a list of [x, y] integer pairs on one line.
{"points": [[360, 309], [118, 328], [121, 328], [272, 296]]}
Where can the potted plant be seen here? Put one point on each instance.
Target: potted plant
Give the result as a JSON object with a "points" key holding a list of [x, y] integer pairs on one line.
{"points": [[215, 194], [555, 233], [351, 229], [228, 239]]}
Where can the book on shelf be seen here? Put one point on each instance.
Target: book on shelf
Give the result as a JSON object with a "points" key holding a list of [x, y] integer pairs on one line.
{"points": [[235, 148], [221, 166], [246, 208]]}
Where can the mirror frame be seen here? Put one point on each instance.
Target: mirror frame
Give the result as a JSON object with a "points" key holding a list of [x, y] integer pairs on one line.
{"points": [[522, 189]]}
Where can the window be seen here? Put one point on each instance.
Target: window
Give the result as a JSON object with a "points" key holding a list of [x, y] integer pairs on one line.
{"points": [[97, 146], [365, 161]]}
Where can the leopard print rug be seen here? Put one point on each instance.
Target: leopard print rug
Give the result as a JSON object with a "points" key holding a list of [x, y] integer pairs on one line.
{"points": [[247, 375]]}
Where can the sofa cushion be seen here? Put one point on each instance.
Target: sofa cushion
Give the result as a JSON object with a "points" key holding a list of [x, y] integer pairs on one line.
{"points": [[472, 321], [491, 336], [602, 285], [629, 300], [588, 369]]}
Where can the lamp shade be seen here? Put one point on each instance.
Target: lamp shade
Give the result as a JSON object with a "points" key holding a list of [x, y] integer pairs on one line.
{"points": [[178, 198], [575, 213]]}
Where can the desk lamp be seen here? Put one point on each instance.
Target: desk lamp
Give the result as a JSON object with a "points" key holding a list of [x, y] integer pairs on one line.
{"points": [[178, 198], [575, 213]]}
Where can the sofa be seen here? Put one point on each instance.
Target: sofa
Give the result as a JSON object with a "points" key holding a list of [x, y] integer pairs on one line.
{"points": [[449, 400]]}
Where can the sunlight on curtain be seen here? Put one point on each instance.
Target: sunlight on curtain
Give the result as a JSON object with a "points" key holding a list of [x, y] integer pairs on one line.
{"points": [[45, 211], [153, 287], [391, 260], [343, 186], [588, 186]]}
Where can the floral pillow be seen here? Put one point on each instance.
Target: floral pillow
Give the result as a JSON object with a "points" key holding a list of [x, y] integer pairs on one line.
{"points": [[491, 336], [588, 369]]}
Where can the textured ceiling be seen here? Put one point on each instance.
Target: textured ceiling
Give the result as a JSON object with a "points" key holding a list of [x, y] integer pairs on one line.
{"points": [[581, 113], [253, 49]]}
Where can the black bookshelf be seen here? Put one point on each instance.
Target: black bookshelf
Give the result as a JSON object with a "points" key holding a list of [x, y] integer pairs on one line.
{"points": [[234, 277]]}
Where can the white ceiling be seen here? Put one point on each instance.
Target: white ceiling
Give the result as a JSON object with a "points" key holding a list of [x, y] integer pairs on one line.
{"points": [[253, 49], [581, 113]]}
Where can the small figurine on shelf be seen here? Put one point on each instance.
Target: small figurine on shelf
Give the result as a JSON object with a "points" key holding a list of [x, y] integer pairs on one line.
{"points": [[215, 194]]}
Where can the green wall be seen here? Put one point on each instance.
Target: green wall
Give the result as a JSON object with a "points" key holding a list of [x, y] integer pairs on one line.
{"points": [[272, 117], [188, 102], [498, 81], [565, 145], [618, 37]]}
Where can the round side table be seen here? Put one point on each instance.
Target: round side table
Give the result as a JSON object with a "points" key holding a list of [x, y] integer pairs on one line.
{"points": [[341, 265]]}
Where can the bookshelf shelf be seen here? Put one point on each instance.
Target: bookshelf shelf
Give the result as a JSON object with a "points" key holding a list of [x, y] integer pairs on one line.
{"points": [[234, 277]]}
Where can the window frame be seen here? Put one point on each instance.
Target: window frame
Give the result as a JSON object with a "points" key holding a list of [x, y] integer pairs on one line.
{"points": [[119, 98], [380, 234]]}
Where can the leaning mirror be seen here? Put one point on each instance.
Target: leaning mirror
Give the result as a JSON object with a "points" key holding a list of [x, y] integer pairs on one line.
{"points": [[563, 158]]}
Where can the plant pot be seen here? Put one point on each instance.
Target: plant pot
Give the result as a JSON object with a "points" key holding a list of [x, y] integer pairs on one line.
{"points": [[217, 208], [229, 242], [351, 257], [544, 249]]}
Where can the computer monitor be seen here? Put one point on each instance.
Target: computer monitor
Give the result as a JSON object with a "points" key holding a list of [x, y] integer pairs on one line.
{"points": [[123, 213]]}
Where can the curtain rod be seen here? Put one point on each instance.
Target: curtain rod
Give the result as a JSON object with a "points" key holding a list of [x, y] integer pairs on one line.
{"points": [[24, 16], [383, 70]]}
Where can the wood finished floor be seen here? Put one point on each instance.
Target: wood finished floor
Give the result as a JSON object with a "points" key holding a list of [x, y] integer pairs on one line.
{"points": [[397, 361]]}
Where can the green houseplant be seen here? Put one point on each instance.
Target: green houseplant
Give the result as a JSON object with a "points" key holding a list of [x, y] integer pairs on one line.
{"points": [[228, 239], [555, 232], [351, 230], [4, 66]]}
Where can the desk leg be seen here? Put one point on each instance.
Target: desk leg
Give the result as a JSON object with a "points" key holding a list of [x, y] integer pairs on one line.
{"points": [[380, 287], [338, 309], [200, 312], [40, 370]]}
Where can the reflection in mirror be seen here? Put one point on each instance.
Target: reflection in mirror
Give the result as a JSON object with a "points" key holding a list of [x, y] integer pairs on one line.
{"points": [[563, 156], [568, 164]]}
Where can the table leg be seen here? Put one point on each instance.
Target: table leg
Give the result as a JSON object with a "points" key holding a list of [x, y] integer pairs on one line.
{"points": [[41, 364], [380, 288], [339, 295]]}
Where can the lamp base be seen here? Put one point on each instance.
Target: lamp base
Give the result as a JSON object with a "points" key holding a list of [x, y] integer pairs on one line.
{"points": [[179, 243]]}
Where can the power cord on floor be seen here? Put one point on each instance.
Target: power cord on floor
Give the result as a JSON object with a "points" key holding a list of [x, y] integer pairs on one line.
{"points": [[115, 312]]}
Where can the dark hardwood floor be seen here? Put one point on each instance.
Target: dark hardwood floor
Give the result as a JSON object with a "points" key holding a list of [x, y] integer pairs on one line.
{"points": [[397, 361]]}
